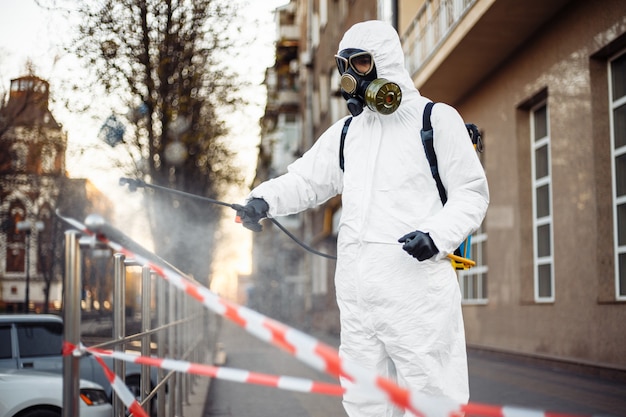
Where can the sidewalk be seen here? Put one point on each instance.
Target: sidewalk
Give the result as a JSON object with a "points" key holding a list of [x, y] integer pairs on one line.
{"points": [[246, 352], [197, 398], [199, 392]]}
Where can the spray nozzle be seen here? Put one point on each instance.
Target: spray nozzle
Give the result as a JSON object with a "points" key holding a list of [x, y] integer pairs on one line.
{"points": [[132, 183]]}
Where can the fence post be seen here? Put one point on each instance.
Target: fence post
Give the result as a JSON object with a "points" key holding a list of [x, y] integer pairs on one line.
{"points": [[119, 323], [71, 323], [161, 340], [171, 345], [146, 300], [180, 305]]}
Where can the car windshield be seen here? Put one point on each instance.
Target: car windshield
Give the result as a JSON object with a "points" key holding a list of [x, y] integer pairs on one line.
{"points": [[40, 339]]}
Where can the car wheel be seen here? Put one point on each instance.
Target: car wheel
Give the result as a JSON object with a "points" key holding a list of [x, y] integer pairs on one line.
{"points": [[41, 413]]}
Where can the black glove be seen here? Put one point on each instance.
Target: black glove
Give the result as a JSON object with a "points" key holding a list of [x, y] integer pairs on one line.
{"points": [[419, 245], [251, 213]]}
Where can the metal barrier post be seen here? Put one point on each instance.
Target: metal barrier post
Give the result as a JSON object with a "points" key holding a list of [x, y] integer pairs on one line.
{"points": [[146, 299], [182, 331], [161, 316], [119, 323], [171, 344], [71, 320], [180, 342], [189, 339]]}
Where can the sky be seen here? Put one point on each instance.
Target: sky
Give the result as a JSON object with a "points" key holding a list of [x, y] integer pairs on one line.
{"points": [[31, 33]]}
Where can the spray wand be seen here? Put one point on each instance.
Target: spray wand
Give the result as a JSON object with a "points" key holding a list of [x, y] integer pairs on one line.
{"points": [[133, 184]]}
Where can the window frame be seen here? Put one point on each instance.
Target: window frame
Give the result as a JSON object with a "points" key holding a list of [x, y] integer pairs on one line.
{"points": [[617, 201], [478, 272], [547, 220]]}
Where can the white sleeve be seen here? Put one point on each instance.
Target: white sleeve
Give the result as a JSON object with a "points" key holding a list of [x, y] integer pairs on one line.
{"points": [[311, 180]]}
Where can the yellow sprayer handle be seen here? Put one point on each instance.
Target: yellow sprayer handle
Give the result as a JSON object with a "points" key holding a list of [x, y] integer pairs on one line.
{"points": [[467, 263]]}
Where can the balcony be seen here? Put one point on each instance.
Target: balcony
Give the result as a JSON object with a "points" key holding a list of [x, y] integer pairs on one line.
{"points": [[434, 22], [452, 45], [288, 33]]}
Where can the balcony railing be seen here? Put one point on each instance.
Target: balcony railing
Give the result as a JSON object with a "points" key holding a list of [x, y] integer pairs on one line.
{"points": [[433, 24]]}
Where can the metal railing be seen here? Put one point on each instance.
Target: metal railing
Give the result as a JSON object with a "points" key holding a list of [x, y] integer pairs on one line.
{"points": [[175, 329], [435, 20]]}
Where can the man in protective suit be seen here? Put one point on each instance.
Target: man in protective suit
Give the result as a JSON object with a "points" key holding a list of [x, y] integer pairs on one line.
{"points": [[400, 304]]}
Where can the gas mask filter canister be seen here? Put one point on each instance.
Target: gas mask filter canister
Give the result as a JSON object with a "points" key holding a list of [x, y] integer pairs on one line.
{"points": [[360, 85]]}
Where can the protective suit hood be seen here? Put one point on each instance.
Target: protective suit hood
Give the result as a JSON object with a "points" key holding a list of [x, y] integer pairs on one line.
{"points": [[382, 41]]}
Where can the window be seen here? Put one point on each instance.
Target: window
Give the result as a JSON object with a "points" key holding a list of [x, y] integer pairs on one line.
{"points": [[19, 153], [324, 81], [542, 205], [387, 12], [338, 107], [323, 5], [617, 99], [473, 282], [40, 339], [15, 246], [48, 157], [5, 342], [320, 276]]}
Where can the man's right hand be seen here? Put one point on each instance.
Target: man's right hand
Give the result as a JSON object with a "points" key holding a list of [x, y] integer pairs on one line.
{"points": [[250, 214]]}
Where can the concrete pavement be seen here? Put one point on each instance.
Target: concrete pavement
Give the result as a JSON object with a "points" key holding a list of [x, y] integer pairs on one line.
{"points": [[197, 398], [245, 351]]}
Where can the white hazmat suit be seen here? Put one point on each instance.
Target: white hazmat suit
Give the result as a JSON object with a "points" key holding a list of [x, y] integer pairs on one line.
{"points": [[399, 317]]}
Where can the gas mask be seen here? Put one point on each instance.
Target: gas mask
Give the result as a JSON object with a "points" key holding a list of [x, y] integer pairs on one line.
{"points": [[360, 85]]}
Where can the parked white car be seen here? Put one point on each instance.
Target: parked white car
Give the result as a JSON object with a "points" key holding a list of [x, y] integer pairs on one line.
{"points": [[34, 341], [28, 393]]}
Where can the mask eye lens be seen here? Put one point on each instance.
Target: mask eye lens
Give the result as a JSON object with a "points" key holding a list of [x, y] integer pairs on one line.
{"points": [[342, 64], [362, 63]]}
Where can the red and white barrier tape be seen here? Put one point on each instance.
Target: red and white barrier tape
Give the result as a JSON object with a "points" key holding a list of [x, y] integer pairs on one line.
{"points": [[224, 373], [316, 354], [117, 384]]}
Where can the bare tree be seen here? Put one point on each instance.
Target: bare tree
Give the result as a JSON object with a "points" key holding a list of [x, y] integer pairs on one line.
{"points": [[171, 63]]}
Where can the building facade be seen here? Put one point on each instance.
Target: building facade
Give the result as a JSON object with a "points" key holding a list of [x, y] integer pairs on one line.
{"points": [[545, 81], [33, 162], [33, 185]]}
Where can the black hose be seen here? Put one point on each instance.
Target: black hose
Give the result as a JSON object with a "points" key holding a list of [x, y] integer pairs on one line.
{"points": [[295, 239], [133, 184]]}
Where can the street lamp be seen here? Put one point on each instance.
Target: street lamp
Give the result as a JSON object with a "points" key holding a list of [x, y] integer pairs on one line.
{"points": [[26, 227]]}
